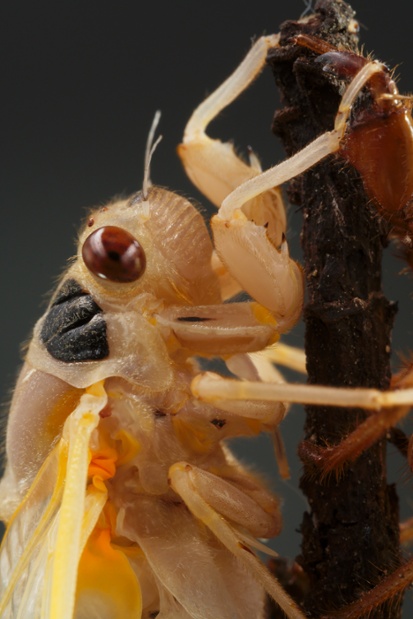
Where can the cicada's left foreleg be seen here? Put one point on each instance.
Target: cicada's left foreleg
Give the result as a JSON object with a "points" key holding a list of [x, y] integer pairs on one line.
{"points": [[211, 508], [218, 330], [217, 171], [213, 166]]}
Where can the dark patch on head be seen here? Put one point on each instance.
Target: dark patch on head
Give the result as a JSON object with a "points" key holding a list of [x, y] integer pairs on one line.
{"points": [[74, 329], [69, 290]]}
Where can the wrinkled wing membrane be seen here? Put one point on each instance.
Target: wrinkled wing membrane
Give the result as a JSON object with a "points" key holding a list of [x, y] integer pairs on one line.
{"points": [[28, 532], [45, 538]]}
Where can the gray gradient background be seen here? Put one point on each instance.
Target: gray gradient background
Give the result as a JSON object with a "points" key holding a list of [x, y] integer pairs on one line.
{"points": [[81, 81]]}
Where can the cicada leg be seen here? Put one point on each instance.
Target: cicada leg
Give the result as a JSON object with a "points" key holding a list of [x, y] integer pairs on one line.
{"points": [[186, 481], [208, 388]]}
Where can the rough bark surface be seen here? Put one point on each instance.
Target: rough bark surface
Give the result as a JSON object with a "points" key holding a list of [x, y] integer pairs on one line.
{"points": [[350, 536]]}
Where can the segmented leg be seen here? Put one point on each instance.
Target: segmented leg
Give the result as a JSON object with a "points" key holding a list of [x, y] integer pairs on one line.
{"points": [[212, 166], [288, 356], [364, 436], [253, 241], [395, 405], [258, 366], [182, 481], [326, 144], [208, 388]]}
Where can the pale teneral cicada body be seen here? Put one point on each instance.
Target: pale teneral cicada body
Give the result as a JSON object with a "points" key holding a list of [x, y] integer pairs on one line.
{"points": [[120, 496]]}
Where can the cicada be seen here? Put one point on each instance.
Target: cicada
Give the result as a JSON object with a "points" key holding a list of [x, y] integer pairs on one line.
{"points": [[120, 495]]}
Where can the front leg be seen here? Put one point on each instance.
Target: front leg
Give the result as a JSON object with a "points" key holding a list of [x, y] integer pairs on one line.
{"points": [[213, 166], [251, 245], [217, 171], [247, 248], [218, 329]]}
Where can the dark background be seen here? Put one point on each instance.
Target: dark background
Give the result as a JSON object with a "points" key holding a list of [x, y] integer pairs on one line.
{"points": [[81, 81]]}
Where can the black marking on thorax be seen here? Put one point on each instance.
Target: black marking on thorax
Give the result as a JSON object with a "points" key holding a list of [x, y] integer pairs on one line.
{"points": [[74, 328]]}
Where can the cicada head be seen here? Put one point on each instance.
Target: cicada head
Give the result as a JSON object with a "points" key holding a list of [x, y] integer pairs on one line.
{"points": [[157, 244]]}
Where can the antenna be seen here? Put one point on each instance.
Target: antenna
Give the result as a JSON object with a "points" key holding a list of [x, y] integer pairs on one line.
{"points": [[149, 150]]}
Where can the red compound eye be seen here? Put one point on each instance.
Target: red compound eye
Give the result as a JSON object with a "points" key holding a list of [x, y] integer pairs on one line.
{"points": [[112, 253]]}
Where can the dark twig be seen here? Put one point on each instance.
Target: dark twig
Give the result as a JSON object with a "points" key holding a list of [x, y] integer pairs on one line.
{"points": [[351, 534]]}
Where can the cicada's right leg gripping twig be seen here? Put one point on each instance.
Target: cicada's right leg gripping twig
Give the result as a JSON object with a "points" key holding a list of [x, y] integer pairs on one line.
{"points": [[248, 249], [250, 224], [326, 144], [241, 243]]}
